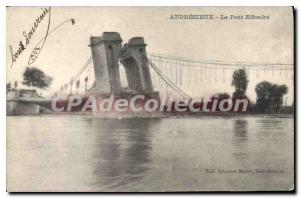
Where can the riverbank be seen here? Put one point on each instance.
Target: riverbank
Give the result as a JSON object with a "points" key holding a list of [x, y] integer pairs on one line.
{"points": [[169, 115]]}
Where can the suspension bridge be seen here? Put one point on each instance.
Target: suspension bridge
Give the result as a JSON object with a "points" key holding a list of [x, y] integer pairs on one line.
{"points": [[183, 77], [116, 68]]}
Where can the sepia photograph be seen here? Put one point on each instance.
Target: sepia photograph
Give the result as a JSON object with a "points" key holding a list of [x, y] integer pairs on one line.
{"points": [[150, 99]]}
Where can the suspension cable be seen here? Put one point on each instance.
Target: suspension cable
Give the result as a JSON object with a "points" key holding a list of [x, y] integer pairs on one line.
{"points": [[166, 79]]}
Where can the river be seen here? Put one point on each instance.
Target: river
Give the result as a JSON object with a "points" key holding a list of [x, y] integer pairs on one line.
{"points": [[80, 153]]}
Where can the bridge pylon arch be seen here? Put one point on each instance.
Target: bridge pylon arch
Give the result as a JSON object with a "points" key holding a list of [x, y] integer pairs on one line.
{"points": [[107, 51]]}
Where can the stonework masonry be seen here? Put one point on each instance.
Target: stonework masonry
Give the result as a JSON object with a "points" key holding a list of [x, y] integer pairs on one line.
{"points": [[107, 53]]}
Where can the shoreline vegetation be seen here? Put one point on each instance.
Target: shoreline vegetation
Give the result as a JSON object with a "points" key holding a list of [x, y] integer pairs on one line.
{"points": [[269, 101], [166, 116]]}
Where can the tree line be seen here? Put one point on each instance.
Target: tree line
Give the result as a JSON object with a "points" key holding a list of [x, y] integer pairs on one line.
{"points": [[33, 77], [269, 96]]}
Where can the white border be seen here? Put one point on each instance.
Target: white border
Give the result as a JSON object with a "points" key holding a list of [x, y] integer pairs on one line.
{"points": [[110, 3]]}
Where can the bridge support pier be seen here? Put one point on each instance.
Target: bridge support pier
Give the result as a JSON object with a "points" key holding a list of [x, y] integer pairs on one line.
{"points": [[105, 52], [136, 66]]}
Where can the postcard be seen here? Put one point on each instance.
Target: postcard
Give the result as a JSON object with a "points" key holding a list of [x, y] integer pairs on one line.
{"points": [[150, 99]]}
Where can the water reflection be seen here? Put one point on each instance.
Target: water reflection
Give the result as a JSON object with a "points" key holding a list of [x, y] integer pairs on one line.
{"points": [[240, 130], [269, 123], [240, 137], [123, 151], [89, 154]]}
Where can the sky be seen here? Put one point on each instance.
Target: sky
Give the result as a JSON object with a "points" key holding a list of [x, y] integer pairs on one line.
{"points": [[66, 50]]}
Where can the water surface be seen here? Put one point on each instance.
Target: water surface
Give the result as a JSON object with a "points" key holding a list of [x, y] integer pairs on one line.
{"points": [[69, 153]]}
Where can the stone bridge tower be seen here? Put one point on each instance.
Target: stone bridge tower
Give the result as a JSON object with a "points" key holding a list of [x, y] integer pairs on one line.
{"points": [[107, 51], [137, 69]]}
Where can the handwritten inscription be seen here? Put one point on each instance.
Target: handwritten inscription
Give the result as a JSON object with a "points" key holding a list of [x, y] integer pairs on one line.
{"points": [[23, 43]]}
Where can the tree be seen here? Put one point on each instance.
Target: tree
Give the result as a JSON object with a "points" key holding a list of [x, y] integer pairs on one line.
{"points": [[86, 81], [71, 85], [221, 96], [240, 81], [263, 96], [8, 86], [278, 91], [66, 87], [269, 96], [33, 77], [16, 84], [77, 86]]}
